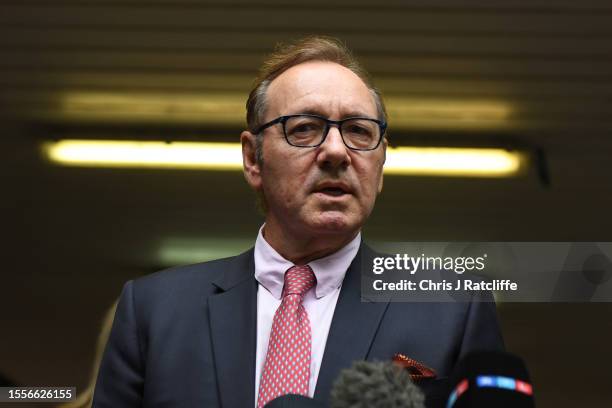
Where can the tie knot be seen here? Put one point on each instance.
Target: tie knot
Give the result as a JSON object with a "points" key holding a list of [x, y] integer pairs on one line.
{"points": [[298, 280]]}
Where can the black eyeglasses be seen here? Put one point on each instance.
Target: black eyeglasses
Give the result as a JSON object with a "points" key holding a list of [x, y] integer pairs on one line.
{"points": [[305, 130]]}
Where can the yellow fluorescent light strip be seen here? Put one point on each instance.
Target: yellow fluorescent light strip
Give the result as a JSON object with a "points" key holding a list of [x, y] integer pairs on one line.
{"points": [[437, 161], [454, 161], [120, 153]]}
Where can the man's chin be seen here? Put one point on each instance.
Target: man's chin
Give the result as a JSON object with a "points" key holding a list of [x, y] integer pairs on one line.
{"points": [[334, 222]]}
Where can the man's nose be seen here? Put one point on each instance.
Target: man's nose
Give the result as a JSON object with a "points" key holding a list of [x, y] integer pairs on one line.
{"points": [[333, 152]]}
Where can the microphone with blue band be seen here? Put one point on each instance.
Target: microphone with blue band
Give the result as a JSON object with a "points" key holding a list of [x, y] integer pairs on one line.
{"points": [[491, 379]]}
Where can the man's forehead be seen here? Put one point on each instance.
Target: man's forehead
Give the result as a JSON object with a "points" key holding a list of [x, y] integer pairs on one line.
{"points": [[317, 87]]}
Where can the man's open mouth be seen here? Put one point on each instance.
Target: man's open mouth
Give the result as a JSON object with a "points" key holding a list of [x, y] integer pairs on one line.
{"points": [[333, 191]]}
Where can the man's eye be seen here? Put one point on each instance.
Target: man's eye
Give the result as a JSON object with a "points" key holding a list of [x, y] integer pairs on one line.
{"points": [[359, 130], [305, 128]]}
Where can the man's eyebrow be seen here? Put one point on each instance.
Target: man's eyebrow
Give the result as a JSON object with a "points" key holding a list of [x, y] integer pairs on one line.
{"points": [[318, 112], [310, 112], [353, 114]]}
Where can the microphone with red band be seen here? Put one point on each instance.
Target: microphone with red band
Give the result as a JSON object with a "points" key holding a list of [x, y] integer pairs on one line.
{"points": [[491, 379]]}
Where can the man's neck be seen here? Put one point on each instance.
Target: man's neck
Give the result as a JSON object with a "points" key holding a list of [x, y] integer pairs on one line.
{"points": [[303, 249]]}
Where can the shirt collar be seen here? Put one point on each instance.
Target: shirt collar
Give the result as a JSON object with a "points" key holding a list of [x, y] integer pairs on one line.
{"points": [[270, 267]]}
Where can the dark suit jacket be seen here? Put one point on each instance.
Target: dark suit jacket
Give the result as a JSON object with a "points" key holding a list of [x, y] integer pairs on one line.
{"points": [[186, 337]]}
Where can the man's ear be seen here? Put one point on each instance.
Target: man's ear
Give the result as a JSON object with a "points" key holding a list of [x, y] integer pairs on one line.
{"points": [[380, 181], [250, 165]]}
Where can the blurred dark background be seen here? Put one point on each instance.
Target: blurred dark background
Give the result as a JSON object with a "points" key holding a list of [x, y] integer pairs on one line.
{"points": [[533, 74]]}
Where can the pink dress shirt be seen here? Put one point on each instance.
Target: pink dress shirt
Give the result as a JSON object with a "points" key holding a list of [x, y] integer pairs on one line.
{"points": [[319, 302]]}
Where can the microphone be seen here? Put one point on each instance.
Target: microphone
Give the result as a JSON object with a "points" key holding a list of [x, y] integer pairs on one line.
{"points": [[375, 384], [491, 379], [293, 401]]}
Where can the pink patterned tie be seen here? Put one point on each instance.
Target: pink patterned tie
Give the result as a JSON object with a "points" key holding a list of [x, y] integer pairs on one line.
{"points": [[287, 366]]}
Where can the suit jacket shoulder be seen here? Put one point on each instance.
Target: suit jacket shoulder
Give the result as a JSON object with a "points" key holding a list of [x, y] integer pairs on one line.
{"points": [[172, 333]]}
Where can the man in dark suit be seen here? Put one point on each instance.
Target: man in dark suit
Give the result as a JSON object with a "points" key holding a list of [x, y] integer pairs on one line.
{"points": [[287, 315]]}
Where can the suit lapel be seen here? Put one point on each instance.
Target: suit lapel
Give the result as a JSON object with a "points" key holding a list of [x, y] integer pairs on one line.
{"points": [[352, 330], [233, 320]]}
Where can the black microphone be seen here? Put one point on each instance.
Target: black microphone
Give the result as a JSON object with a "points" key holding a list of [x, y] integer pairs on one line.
{"points": [[293, 401], [375, 384], [491, 379]]}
